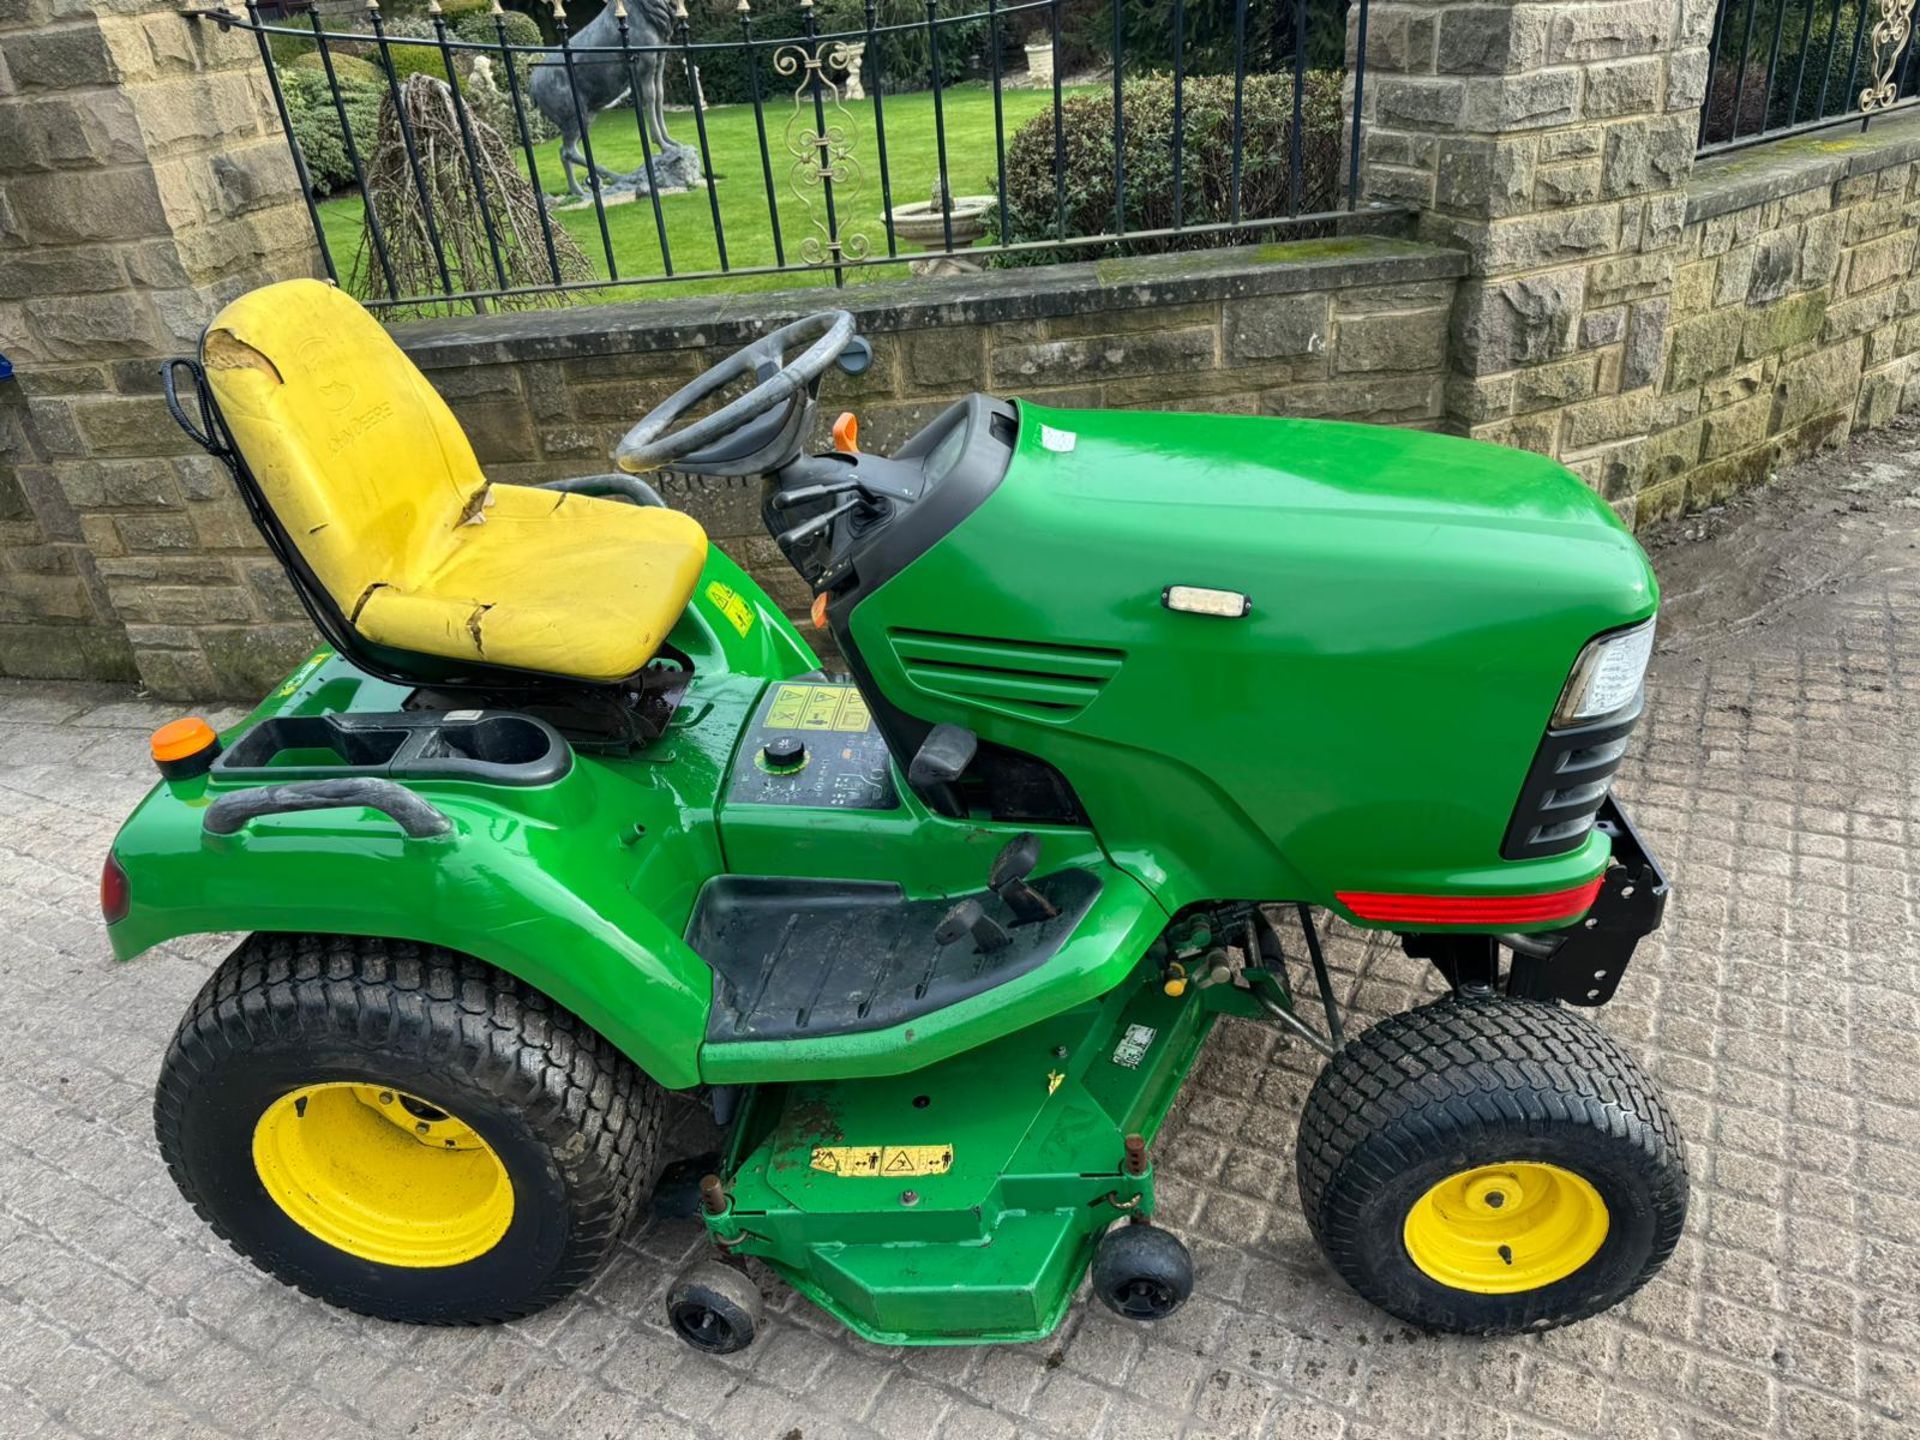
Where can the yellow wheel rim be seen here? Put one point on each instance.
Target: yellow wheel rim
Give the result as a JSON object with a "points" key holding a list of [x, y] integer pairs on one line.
{"points": [[1501, 1229], [382, 1175]]}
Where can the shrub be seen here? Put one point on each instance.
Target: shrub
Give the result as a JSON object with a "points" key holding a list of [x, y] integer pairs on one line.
{"points": [[457, 10], [316, 123], [347, 67], [521, 30], [1206, 170], [420, 59]]}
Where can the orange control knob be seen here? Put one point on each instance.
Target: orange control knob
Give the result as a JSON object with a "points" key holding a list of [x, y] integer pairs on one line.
{"points": [[846, 433], [183, 748]]}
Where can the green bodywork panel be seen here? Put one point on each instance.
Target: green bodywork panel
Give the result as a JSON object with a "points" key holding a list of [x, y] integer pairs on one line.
{"points": [[992, 1249], [1417, 603]]}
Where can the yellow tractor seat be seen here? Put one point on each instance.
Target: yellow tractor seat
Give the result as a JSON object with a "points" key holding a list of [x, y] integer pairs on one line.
{"points": [[372, 481]]}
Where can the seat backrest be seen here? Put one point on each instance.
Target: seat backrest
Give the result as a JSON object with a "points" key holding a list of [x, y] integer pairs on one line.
{"points": [[361, 461]]}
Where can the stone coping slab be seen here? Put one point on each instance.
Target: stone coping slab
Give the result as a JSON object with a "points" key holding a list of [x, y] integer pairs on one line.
{"points": [[1743, 178], [992, 296]]}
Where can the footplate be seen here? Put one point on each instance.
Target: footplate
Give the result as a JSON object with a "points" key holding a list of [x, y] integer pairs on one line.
{"points": [[1585, 966]]}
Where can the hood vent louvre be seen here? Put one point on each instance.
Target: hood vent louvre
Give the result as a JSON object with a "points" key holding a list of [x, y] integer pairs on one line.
{"points": [[1040, 681]]}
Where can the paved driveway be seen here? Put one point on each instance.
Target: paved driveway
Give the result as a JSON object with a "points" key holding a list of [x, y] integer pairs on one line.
{"points": [[1780, 779]]}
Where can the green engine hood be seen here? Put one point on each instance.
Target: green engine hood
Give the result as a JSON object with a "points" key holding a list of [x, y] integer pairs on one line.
{"points": [[1417, 602]]}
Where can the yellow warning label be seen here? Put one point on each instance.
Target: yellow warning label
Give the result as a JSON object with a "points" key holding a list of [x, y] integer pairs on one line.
{"points": [[883, 1160], [819, 707], [738, 612]]}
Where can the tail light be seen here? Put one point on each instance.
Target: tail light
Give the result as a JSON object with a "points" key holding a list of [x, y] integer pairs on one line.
{"points": [[116, 896]]}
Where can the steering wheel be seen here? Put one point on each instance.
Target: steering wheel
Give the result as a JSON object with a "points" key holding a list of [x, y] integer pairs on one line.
{"points": [[654, 443]]}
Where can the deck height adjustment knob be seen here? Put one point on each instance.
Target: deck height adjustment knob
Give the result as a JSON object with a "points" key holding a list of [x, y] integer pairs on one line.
{"points": [[783, 753]]}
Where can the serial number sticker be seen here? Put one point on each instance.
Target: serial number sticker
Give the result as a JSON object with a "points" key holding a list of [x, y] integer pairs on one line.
{"points": [[730, 604], [1133, 1046], [883, 1160], [1061, 441], [838, 708]]}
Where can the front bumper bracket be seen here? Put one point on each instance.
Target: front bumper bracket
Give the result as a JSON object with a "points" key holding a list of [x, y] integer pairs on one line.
{"points": [[1582, 964]]}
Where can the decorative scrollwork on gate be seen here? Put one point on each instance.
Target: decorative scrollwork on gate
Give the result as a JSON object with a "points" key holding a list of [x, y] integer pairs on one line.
{"points": [[821, 144], [1889, 34]]}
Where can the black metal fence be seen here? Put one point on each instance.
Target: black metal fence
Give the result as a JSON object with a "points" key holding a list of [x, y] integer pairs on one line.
{"points": [[1234, 127], [1784, 67]]}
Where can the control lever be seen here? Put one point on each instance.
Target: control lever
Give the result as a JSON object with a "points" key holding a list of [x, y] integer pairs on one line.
{"points": [[1008, 880], [969, 918], [943, 757], [818, 523], [787, 499]]}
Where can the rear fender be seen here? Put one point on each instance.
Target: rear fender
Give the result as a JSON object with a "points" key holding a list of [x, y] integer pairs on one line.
{"points": [[490, 888]]}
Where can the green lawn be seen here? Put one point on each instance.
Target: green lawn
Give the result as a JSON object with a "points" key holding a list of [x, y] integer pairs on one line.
{"points": [[912, 164]]}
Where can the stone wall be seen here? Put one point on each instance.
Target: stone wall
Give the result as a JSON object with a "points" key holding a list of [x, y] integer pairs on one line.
{"points": [[1795, 311], [1344, 329], [1552, 143], [143, 180]]}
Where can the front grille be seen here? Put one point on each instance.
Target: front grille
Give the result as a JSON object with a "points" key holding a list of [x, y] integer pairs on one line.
{"points": [[1565, 786]]}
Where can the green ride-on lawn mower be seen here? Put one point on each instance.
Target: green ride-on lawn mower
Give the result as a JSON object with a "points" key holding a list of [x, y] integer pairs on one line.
{"points": [[566, 815]]}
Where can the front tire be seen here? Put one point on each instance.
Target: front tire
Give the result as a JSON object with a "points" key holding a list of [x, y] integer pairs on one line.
{"points": [[401, 1130], [1490, 1166]]}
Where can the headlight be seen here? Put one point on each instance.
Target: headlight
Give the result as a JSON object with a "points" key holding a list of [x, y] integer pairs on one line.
{"points": [[1607, 675]]}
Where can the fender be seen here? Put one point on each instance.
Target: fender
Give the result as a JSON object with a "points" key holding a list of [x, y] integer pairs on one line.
{"points": [[487, 888]]}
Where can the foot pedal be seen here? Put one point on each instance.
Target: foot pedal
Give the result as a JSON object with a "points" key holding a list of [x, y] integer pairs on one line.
{"points": [[968, 918], [1008, 880]]}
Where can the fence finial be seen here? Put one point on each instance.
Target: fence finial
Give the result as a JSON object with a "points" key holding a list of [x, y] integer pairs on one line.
{"points": [[433, 7], [679, 9], [497, 8], [619, 9], [373, 5], [744, 8], [559, 10]]}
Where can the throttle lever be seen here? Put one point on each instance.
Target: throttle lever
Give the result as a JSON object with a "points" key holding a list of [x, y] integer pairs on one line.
{"points": [[787, 499], [819, 522]]}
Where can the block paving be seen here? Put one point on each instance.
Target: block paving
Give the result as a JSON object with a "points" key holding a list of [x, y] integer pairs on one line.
{"points": [[1779, 778]]}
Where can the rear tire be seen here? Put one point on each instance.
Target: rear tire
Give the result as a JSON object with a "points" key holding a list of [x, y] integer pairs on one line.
{"points": [[330, 1103], [1490, 1166]]}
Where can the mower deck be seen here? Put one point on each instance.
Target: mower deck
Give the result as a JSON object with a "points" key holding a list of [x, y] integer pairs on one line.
{"points": [[977, 1187]]}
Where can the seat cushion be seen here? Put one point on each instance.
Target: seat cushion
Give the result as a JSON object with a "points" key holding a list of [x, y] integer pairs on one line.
{"points": [[567, 584]]}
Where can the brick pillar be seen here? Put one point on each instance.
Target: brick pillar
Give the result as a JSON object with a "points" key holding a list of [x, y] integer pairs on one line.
{"points": [[1550, 142], [144, 181]]}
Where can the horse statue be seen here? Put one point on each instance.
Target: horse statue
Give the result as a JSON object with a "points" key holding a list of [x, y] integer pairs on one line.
{"points": [[604, 79]]}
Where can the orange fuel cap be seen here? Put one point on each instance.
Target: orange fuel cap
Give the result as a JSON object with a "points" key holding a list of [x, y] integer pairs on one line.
{"points": [[184, 747], [846, 433]]}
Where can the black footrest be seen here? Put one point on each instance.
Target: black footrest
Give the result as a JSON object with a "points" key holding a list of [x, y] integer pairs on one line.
{"points": [[795, 959]]}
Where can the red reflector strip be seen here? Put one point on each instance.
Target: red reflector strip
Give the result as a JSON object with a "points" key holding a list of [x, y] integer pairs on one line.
{"points": [[1489, 910], [116, 896]]}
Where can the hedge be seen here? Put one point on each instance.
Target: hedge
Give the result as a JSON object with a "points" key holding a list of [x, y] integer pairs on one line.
{"points": [[1207, 166]]}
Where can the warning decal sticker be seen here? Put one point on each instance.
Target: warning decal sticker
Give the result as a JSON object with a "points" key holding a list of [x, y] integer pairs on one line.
{"points": [[730, 604], [1133, 1046], [819, 707], [899, 1161]]}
